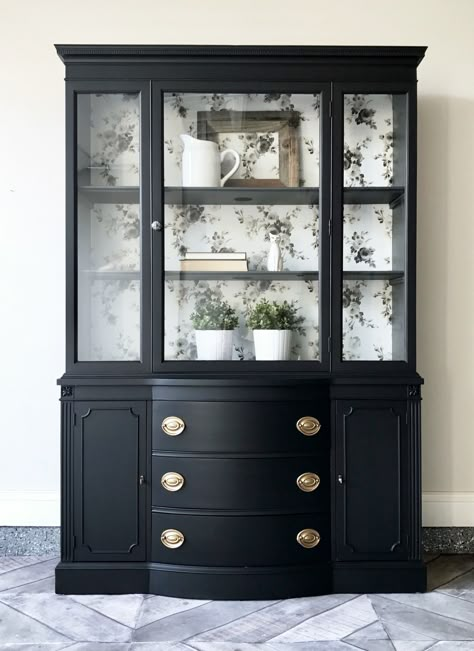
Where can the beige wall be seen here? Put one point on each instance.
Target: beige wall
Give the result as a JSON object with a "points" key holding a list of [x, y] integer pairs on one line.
{"points": [[32, 213]]}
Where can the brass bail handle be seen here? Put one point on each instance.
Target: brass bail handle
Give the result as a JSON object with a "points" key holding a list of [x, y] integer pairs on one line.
{"points": [[173, 425], [308, 538], [172, 481], [172, 538], [308, 425], [308, 482]]}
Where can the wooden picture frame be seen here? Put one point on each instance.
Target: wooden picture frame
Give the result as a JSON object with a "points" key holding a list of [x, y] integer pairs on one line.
{"points": [[212, 123]]}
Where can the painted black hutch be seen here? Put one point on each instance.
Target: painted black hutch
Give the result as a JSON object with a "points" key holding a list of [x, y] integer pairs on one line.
{"points": [[199, 462]]}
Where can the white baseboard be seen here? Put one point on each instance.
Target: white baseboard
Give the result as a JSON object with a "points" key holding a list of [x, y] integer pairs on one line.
{"points": [[29, 508], [41, 509], [448, 509]]}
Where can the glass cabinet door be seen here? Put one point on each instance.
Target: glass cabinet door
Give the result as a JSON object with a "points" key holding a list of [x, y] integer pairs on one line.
{"points": [[374, 227], [241, 227], [108, 227]]}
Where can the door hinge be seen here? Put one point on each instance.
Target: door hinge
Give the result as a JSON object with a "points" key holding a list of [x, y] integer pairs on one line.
{"points": [[330, 108]]}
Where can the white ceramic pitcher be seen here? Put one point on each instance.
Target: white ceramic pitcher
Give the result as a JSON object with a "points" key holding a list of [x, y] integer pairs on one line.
{"points": [[201, 165]]}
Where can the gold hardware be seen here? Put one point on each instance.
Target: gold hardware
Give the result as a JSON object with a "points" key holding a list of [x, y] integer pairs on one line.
{"points": [[173, 425], [308, 425], [172, 538], [172, 481], [308, 538], [308, 482]]}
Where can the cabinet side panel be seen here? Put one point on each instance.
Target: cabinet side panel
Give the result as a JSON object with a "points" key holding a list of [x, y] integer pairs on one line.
{"points": [[371, 523], [107, 465]]}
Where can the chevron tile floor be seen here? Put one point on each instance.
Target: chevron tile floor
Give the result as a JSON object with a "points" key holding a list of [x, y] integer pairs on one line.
{"points": [[33, 618]]}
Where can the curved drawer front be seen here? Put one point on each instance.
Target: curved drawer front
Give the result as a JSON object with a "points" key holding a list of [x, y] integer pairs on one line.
{"points": [[239, 541], [241, 426], [244, 484]]}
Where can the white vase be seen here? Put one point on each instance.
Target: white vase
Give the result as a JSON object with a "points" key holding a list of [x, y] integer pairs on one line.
{"points": [[274, 260], [214, 344], [272, 344]]}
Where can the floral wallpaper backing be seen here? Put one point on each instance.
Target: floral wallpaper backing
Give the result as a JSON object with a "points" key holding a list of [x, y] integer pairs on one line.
{"points": [[110, 233]]}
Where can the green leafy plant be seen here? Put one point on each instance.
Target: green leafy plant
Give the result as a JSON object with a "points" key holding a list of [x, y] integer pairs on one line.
{"points": [[274, 316], [216, 315]]}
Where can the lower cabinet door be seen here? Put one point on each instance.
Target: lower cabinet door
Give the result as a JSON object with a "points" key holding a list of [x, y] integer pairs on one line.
{"points": [[240, 540], [109, 481], [371, 483]]}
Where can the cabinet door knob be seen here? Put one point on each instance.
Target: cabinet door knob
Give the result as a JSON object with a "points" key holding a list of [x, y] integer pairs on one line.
{"points": [[141, 480], [340, 479], [172, 481], [156, 226], [172, 538], [173, 425], [308, 538], [308, 482], [308, 425]]}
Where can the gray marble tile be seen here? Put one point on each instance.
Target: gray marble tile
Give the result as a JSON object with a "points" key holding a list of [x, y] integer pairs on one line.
{"points": [[453, 646], [43, 585], [121, 608], [18, 628], [420, 621], [27, 574], [333, 645], [447, 567], [158, 607], [428, 557], [8, 563], [68, 617], [462, 587], [187, 624], [437, 603], [99, 646], [333, 624], [407, 645], [374, 645], [267, 623], [374, 631], [35, 647], [398, 632]]}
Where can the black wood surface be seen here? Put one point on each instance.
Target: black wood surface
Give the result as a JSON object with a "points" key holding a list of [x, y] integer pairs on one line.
{"points": [[371, 480], [255, 484], [241, 427], [109, 459], [240, 540]]}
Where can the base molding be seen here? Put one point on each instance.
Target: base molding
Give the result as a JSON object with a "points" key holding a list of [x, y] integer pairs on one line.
{"points": [[239, 583], [402, 576]]}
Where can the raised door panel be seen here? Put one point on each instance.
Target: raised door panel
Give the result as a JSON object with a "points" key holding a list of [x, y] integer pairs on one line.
{"points": [[371, 487], [109, 461]]}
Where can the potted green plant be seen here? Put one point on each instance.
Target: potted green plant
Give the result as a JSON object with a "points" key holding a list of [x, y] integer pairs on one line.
{"points": [[214, 323], [272, 325]]}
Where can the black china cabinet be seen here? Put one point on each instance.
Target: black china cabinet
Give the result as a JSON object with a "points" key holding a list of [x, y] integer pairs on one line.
{"points": [[240, 407]]}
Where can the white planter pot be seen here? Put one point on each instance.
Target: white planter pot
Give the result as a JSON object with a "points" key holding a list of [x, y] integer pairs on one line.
{"points": [[272, 344], [214, 344]]}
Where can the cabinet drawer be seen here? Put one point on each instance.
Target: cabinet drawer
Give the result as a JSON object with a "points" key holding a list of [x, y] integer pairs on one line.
{"points": [[242, 484], [240, 426], [239, 541]]}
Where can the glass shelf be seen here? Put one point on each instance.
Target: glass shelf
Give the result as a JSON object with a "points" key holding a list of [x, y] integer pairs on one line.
{"points": [[112, 194], [242, 275], [373, 195], [111, 275]]}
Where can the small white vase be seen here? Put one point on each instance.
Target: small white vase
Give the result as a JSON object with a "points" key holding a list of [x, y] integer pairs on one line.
{"points": [[214, 344], [274, 260], [272, 344]]}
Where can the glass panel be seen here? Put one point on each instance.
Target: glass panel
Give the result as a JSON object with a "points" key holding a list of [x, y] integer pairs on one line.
{"points": [[108, 225], [373, 292], [256, 231]]}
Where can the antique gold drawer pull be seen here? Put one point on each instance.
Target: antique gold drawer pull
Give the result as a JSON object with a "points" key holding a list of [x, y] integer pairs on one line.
{"points": [[172, 481], [308, 538], [308, 482], [308, 425], [173, 425], [172, 538]]}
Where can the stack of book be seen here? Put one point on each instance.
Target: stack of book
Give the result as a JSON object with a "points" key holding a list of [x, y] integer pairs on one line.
{"points": [[207, 261]]}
